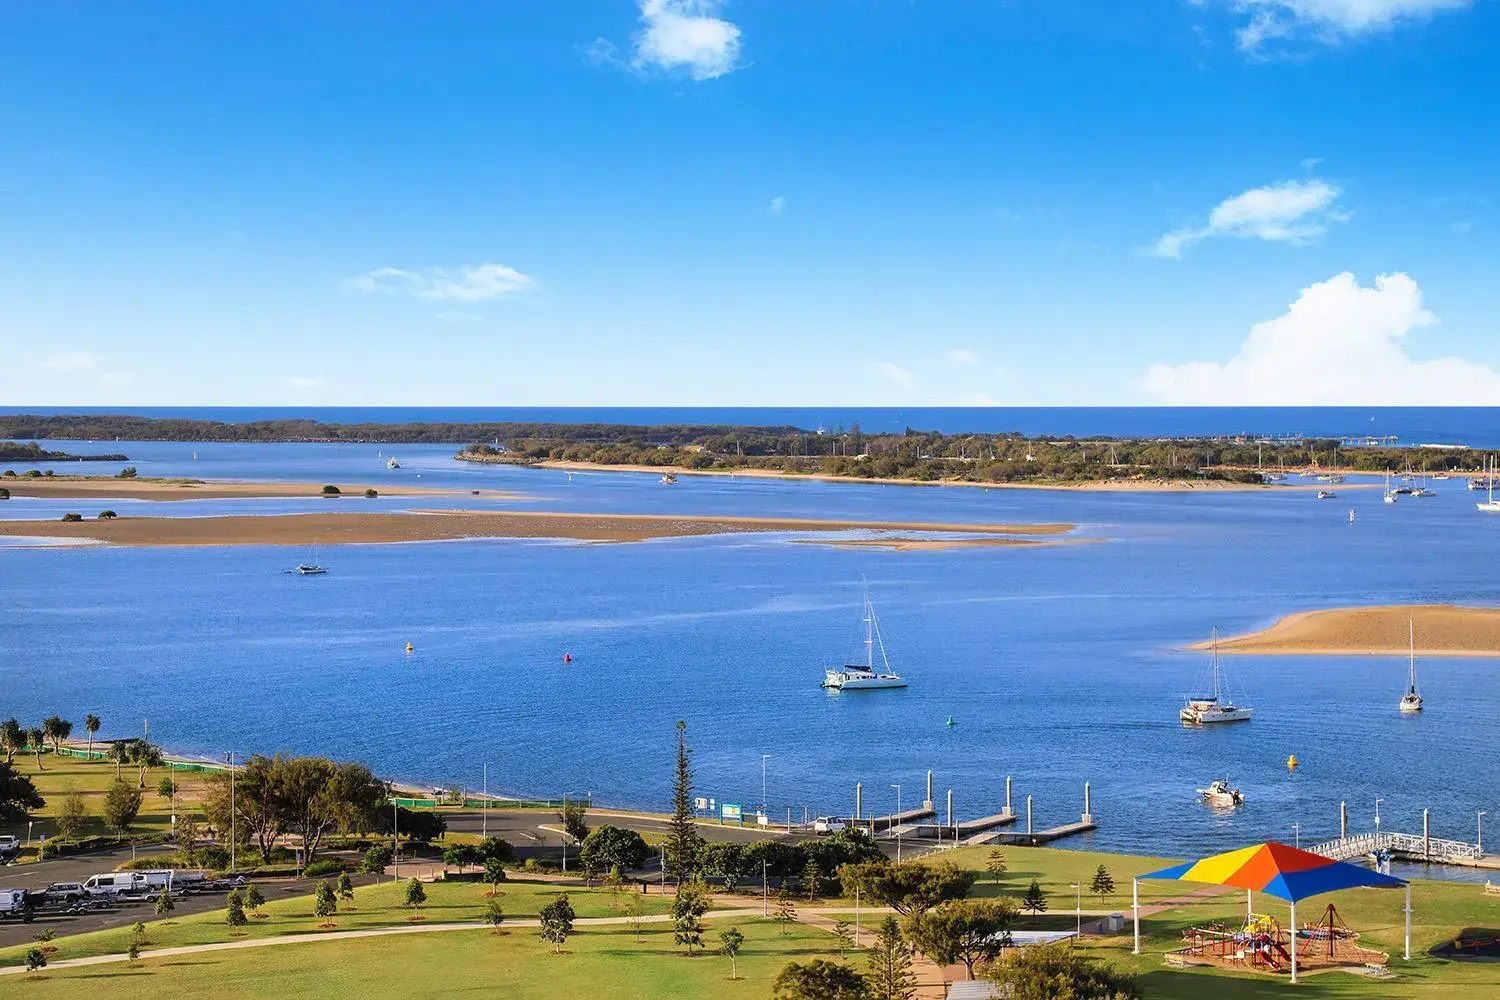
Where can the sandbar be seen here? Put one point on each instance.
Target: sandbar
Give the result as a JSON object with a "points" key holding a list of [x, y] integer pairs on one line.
{"points": [[105, 488], [335, 528], [1081, 486], [1441, 630]]}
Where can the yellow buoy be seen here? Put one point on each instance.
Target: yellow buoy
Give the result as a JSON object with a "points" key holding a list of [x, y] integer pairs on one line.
{"points": [[1291, 761], [408, 647]]}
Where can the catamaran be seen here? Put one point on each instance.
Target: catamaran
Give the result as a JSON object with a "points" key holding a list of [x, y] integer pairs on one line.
{"points": [[1411, 701], [312, 567], [1208, 709], [857, 677]]}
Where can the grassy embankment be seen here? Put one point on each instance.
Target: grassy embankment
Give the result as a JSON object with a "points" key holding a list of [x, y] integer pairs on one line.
{"points": [[60, 776]]}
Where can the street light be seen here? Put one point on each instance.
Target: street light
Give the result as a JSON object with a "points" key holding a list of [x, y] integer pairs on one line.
{"points": [[1479, 818], [1077, 909], [1297, 833], [898, 821]]}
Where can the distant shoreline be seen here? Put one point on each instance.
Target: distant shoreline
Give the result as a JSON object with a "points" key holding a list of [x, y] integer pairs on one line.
{"points": [[116, 488], [371, 527], [1441, 630]]}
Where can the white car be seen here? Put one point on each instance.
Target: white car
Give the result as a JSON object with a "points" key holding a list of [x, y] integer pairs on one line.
{"points": [[828, 824], [9, 845]]}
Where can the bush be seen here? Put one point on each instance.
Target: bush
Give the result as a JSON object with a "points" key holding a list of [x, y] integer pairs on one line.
{"points": [[107, 515], [371, 494], [376, 859], [4, 494], [331, 491], [33, 473], [72, 516], [323, 867], [496, 848], [126, 473]]}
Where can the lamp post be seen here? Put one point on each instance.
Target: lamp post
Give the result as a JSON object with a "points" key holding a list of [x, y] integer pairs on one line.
{"points": [[1479, 819], [233, 835], [1077, 910], [898, 821]]}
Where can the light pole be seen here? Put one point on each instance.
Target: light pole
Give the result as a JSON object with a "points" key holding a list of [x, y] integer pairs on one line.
{"points": [[1479, 819], [763, 758], [1377, 821], [1297, 833], [898, 821], [1077, 910], [29, 823], [233, 834], [484, 803], [765, 897]]}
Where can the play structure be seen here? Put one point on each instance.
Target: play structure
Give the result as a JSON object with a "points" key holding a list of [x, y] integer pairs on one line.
{"points": [[1261, 945]]}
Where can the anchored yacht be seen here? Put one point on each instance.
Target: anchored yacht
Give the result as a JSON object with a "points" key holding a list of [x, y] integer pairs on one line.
{"points": [[864, 677], [1208, 709], [1411, 701]]}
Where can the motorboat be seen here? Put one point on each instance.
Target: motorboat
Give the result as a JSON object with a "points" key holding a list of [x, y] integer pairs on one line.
{"points": [[1327, 495], [1218, 793], [392, 463], [864, 677], [1213, 708], [668, 479]]}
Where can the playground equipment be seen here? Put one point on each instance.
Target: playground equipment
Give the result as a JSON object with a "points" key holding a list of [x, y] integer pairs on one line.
{"points": [[1261, 945]]}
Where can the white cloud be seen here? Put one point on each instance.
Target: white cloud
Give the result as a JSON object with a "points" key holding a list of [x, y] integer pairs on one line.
{"points": [[1289, 212], [900, 376], [306, 383], [962, 356], [71, 361], [1339, 344], [687, 36], [471, 283], [1331, 20], [777, 205]]}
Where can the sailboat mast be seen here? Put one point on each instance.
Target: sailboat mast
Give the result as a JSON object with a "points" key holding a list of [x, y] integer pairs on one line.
{"points": [[1216, 663], [1411, 656], [869, 633]]}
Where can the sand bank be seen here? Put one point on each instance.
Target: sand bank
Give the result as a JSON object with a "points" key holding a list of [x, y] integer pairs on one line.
{"points": [[335, 528], [896, 543], [1441, 630], [1083, 486], [107, 488]]}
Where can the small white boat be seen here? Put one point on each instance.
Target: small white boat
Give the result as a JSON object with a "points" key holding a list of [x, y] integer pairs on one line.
{"points": [[392, 463], [1218, 793], [1351, 515], [669, 479], [1213, 708], [311, 569], [1327, 495], [1411, 701], [857, 677]]}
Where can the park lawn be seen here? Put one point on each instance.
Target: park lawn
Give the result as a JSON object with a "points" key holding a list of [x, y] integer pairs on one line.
{"points": [[374, 906], [59, 776]]}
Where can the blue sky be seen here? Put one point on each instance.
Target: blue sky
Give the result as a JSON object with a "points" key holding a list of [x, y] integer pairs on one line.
{"points": [[894, 202]]}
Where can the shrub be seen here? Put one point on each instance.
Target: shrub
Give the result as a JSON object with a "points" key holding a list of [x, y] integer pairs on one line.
{"points": [[126, 473], [323, 867], [371, 494], [497, 848], [35, 960], [33, 473], [376, 859], [107, 515], [72, 516], [331, 491], [4, 494]]}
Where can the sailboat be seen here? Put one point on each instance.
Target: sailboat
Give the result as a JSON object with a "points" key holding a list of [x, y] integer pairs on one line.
{"points": [[1390, 494], [864, 677], [312, 567], [1489, 506], [391, 463], [1207, 709], [1411, 701]]}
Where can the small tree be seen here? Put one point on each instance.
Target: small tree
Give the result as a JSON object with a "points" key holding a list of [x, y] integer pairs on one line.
{"points": [[375, 859], [56, 729], [164, 904], [786, 911], [37, 740], [460, 855], [889, 964], [497, 848], [166, 788], [345, 888], [134, 951], [963, 930], [35, 960], [72, 817], [122, 804], [1042, 973], [1103, 884], [494, 914], [12, 739], [234, 915], [635, 913], [254, 898], [844, 934], [415, 897], [571, 816], [325, 904], [687, 914], [1035, 899], [494, 874], [138, 932], [812, 879], [730, 942], [819, 980], [557, 922], [996, 864]]}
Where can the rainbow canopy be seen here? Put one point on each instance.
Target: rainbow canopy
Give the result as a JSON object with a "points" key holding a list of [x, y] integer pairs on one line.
{"points": [[1279, 870]]}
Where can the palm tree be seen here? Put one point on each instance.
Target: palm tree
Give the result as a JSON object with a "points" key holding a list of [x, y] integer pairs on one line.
{"points": [[91, 726], [36, 739], [144, 755]]}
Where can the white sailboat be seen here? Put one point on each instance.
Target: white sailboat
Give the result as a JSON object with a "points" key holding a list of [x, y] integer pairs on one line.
{"points": [[312, 567], [1411, 701], [857, 677], [1390, 494], [1209, 709], [1489, 506]]}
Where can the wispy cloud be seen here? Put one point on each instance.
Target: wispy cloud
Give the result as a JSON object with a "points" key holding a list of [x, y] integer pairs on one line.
{"points": [[963, 357], [472, 283], [1330, 20], [896, 374], [71, 361], [1339, 344], [306, 383], [679, 36], [777, 205], [1289, 212]]}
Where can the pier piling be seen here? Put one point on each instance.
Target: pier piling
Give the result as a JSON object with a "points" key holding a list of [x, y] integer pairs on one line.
{"points": [[1028, 815], [950, 808], [927, 802], [1343, 820], [859, 795], [1088, 811], [1008, 810], [1426, 838]]}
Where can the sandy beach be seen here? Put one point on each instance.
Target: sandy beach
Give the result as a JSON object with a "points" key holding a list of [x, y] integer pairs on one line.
{"points": [[1441, 630], [1085, 486], [335, 528], [106, 488]]}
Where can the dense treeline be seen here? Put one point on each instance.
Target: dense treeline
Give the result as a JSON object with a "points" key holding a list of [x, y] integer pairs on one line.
{"points": [[30, 451]]}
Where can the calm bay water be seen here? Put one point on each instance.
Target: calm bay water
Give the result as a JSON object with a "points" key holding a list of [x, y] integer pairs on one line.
{"points": [[1058, 665]]}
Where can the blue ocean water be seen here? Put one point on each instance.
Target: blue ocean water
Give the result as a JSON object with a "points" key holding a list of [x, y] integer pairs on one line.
{"points": [[1475, 426], [1058, 665]]}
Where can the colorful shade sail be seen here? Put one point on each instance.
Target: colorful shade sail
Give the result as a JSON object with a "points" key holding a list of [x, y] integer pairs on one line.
{"points": [[1279, 870]]}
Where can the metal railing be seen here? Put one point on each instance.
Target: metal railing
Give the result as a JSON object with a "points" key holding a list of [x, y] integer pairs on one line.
{"points": [[1406, 844]]}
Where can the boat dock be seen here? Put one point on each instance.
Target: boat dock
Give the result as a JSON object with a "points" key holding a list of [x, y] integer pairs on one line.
{"points": [[952, 832], [1421, 847]]}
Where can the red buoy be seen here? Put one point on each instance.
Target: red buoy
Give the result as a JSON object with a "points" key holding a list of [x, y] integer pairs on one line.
{"points": [[567, 657]]}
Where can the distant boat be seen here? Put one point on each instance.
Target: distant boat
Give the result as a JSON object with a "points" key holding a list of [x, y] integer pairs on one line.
{"points": [[857, 677], [1218, 793], [312, 567], [1209, 709], [1351, 515], [668, 479], [1488, 506], [392, 463], [1327, 495], [1411, 701]]}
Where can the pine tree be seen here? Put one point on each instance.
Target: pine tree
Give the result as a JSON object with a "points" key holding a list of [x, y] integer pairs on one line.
{"points": [[254, 898], [996, 864], [845, 936], [786, 910], [1035, 900], [325, 905], [889, 976], [235, 916], [812, 878], [683, 841], [1103, 884], [687, 914]]}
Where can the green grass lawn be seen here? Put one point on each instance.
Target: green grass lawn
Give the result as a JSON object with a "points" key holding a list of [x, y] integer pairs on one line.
{"points": [[607, 963], [58, 776]]}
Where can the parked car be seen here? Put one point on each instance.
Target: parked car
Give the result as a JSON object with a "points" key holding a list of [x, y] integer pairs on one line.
{"points": [[114, 884], [64, 892], [828, 824], [9, 847]]}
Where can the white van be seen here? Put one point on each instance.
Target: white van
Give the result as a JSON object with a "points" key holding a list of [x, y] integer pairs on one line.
{"points": [[114, 883], [176, 880], [12, 902]]}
